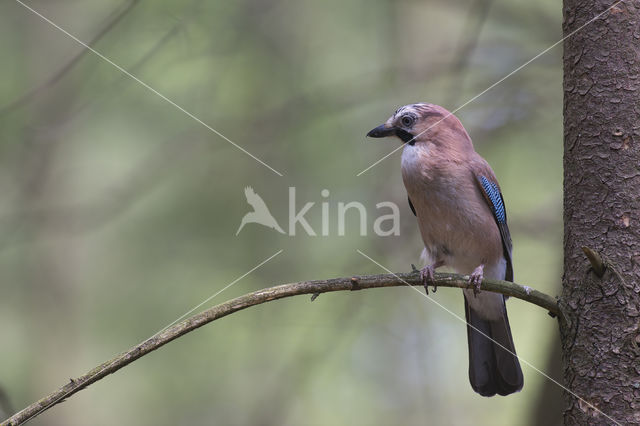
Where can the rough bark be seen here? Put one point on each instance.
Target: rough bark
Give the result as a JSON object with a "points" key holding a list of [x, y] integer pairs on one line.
{"points": [[601, 340]]}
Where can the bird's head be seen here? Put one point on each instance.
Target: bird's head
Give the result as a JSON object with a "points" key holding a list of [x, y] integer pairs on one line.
{"points": [[422, 123]]}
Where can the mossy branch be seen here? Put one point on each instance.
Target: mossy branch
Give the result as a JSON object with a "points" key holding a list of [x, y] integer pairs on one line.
{"points": [[265, 295]]}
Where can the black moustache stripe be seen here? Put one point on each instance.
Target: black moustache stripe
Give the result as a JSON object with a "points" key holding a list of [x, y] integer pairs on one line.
{"points": [[405, 136]]}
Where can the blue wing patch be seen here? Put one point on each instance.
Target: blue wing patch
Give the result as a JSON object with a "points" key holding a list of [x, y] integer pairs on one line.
{"points": [[496, 199]]}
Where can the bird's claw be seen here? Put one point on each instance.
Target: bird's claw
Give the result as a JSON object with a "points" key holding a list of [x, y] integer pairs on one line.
{"points": [[475, 279], [427, 274]]}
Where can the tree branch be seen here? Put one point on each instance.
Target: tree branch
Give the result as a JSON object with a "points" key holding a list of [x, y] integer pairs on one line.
{"points": [[33, 93], [265, 295]]}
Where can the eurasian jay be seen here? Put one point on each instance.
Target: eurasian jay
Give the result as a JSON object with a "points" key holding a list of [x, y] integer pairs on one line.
{"points": [[461, 215]]}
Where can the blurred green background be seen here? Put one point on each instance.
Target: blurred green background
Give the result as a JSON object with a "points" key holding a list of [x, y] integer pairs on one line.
{"points": [[119, 212]]}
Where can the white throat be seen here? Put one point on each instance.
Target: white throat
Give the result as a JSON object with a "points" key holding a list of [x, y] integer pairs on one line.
{"points": [[411, 154]]}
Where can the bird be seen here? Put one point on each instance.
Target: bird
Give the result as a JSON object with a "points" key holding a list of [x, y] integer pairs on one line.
{"points": [[260, 213], [461, 215]]}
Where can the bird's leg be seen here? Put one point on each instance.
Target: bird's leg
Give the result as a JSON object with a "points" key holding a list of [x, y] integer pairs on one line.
{"points": [[427, 275], [476, 278]]}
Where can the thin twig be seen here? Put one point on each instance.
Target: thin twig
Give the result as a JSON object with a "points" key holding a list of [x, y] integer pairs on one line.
{"points": [[265, 295], [33, 93], [476, 18]]}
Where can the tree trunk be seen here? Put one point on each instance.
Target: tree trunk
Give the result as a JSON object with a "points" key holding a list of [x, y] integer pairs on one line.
{"points": [[601, 340]]}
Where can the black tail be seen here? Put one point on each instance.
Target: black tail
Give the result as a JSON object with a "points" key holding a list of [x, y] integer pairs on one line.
{"points": [[492, 369]]}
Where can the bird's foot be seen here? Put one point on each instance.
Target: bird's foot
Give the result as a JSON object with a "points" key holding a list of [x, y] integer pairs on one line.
{"points": [[476, 277], [428, 276]]}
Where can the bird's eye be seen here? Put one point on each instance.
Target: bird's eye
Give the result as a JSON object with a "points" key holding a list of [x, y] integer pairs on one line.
{"points": [[407, 120]]}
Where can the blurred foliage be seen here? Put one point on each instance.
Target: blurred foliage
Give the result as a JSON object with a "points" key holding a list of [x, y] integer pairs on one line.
{"points": [[119, 211]]}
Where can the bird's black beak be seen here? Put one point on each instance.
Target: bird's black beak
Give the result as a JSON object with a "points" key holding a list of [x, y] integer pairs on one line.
{"points": [[382, 131]]}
